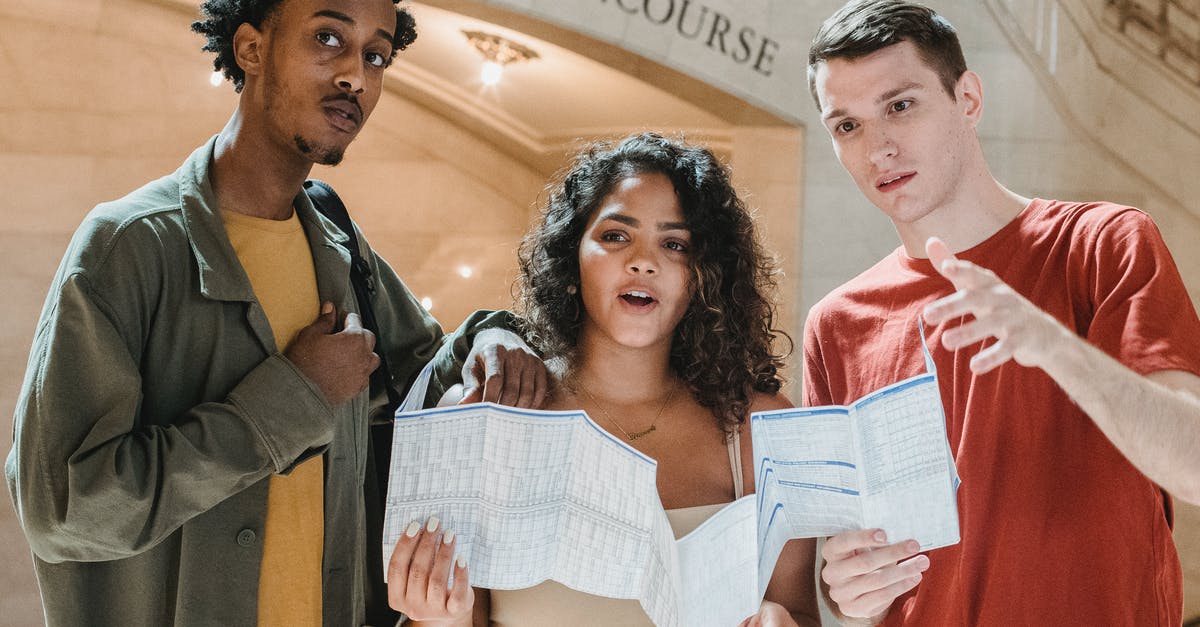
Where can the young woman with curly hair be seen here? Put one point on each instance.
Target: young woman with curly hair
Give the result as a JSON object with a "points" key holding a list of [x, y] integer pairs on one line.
{"points": [[646, 289]]}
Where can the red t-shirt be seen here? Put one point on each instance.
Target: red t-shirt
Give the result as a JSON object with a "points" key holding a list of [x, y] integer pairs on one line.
{"points": [[1057, 527]]}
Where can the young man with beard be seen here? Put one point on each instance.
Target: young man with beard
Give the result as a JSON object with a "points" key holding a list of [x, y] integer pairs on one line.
{"points": [[191, 439], [1067, 349]]}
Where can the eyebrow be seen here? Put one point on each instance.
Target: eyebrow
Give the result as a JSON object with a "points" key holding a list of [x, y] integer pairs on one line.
{"points": [[634, 222], [342, 17], [884, 97]]}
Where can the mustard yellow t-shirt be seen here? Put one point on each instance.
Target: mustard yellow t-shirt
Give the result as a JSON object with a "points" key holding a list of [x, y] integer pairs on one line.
{"points": [[277, 259]]}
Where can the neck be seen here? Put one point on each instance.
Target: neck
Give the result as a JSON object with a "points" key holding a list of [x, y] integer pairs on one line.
{"points": [[978, 208], [254, 176], [620, 374]]}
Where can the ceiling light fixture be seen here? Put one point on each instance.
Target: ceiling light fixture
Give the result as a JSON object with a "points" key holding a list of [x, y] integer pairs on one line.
{"points": [[497, 52]]}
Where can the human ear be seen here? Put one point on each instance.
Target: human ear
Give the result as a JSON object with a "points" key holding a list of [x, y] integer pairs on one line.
{"points": [[247, 48], [968, 92]]}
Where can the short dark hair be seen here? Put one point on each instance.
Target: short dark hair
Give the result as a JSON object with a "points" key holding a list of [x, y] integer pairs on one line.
{"points": [[225, 16], [865, 26], [723, 346]]}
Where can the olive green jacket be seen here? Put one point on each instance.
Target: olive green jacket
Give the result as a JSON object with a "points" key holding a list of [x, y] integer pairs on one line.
{"points": [[156, 406]]}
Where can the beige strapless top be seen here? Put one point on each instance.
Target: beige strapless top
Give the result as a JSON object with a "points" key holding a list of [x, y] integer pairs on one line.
{"points": [[551, 604]]}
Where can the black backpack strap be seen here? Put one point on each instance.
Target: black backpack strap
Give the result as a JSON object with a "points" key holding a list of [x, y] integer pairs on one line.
{"points": [[379, 445], [331, 206]]}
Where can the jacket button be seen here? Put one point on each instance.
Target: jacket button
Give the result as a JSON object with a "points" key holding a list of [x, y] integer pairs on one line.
{"points": [[245, 537]]}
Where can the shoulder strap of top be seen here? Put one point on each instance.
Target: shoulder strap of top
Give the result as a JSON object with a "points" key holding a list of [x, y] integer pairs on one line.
{"points": [[734, 445]]}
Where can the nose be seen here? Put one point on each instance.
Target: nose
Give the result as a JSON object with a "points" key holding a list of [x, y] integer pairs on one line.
{"points": [[350, 76], [881, 146], [641, 260]]}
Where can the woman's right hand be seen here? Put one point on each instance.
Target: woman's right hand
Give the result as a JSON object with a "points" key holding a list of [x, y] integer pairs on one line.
{"points": [[418, 577]]}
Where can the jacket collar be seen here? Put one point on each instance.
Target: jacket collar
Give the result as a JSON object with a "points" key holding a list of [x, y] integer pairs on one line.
{"points": [[221, 273]]}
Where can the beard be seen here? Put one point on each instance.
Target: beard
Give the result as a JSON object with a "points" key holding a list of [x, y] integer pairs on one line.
{"points": [[324, 155]]}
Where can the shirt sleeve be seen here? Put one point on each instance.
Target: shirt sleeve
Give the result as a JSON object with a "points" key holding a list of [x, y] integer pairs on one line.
{"points": [[816, 376], [1142, 314], [94, 478]]}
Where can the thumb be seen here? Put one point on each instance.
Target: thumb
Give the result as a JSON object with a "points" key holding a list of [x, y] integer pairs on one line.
{"points": [[325, 320]]}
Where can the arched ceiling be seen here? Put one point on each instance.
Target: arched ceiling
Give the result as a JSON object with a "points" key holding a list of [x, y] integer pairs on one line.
{"points": [[576, 90]]}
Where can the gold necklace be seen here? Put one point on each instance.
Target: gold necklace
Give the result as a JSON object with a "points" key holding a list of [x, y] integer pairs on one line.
{"points": [[636, 434]]}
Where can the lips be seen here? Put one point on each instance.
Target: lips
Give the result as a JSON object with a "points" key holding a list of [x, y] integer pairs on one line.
{"points": [[893, 180], [343, 114], [637, 298]]}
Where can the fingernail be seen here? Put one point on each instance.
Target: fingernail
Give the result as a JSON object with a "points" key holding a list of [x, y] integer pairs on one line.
{"points": [[880, 537], [326, 307], [413, 528], [912, 546], [433, 524], [922, 563], [462, 561], [448, 538]]}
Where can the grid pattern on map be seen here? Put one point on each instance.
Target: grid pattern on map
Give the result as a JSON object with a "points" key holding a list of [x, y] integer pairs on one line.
{"points": [[531, 496]]}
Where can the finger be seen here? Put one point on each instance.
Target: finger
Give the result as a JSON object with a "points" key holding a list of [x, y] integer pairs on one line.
{"points": [[882, 578], [875, 602], [369, 339], [462, 597], [398, 565], [472, 395], [326, 319], [513, 381], [439, 578], [839, 572], [472, 370], [422, 562], [968, 334], [527, 383], [844, 545], [541, 382], [493, 376], [963, 274], [991, 357], [939, 253], [948, 307]]}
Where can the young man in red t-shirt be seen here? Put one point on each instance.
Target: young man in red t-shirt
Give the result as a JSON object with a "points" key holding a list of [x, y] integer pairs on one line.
{"points": [[1067, 349]]}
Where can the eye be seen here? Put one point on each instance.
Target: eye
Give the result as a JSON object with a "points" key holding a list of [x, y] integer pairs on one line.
{"points": [[376, 59], [901, 105], [613, 236], [676, 245], [328, 39], [845, 126]]}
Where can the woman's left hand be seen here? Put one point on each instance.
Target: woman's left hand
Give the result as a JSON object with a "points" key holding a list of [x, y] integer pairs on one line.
{"points": [[770, 615]]}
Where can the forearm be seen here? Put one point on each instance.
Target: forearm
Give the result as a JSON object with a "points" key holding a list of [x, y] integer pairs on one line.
{"points": [[90, 484], [1155, 425]]}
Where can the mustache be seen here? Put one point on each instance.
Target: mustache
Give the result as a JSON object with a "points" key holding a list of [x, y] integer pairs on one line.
{"points": [[352, 99]]}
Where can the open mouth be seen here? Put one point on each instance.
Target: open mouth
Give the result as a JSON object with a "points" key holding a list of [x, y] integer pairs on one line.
{"points": [[895, 181], [640, 299]]}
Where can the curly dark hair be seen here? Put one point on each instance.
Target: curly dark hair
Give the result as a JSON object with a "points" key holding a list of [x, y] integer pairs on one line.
{"points": [[723, 346], [225, 16], [865, 26]]}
